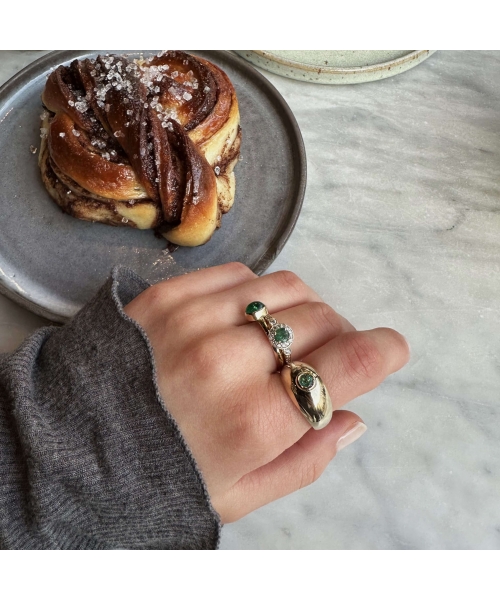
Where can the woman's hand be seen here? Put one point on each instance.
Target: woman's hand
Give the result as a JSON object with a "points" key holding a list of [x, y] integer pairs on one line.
{"points": [[217, 376]]}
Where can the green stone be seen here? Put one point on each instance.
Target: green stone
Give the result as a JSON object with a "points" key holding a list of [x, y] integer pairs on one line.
{"points": [[281, 335], [306, 381], [253, 307]]}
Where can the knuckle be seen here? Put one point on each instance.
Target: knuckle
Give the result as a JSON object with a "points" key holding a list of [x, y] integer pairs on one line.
{"points": [[289, 280], [186, 314], [240, 270], [206, 358], [325, 317], [361, 357]]}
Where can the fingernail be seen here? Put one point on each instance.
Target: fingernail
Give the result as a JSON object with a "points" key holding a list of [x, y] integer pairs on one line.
{"points": [[352, 435]]}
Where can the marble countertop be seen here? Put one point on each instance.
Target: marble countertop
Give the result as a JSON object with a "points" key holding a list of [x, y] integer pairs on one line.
{"points": [[400, 228]]}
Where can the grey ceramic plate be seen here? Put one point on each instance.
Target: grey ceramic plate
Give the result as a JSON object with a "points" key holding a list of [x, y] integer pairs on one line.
{"points": [[52, 263]]}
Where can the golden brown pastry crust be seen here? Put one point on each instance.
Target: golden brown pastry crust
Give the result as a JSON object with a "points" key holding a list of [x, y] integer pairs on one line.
{"points": [[150, 143]]}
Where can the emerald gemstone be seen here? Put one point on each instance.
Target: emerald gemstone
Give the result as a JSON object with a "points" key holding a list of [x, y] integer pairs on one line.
{"points": [[281, 335], [253, 307], [306, 381]]}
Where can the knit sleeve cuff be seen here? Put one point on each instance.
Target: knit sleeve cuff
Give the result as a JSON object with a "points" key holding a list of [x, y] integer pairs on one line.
{"points": [[107, 464]]}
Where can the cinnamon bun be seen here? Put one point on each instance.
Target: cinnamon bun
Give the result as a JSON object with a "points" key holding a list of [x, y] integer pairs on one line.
{"points": [[149, 143]]}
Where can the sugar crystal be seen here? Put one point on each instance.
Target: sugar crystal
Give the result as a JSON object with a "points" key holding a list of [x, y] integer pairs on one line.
{"points": [[81, 106]]}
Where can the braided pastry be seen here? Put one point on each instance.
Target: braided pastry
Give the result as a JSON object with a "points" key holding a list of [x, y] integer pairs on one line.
{"points": [[145, 143]]}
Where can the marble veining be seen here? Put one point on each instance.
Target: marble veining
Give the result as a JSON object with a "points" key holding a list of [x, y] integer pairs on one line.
{"points": [[400, 228]]}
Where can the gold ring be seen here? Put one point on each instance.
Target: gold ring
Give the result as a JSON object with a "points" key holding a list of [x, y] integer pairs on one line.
{"points": [[302, 383]]}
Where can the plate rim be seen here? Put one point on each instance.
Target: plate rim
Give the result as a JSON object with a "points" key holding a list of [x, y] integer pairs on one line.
{"points": [[269, 55], [332, 74], [56, 57]]}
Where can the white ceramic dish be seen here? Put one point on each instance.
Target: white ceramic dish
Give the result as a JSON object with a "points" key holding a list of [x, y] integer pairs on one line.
{"points": [[336, 66]]}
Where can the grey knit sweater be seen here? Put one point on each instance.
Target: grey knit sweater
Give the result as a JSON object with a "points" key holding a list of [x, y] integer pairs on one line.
{"points": [[89, 456]]}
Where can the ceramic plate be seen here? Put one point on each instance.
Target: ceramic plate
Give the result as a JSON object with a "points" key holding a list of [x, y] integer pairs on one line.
{"points": [[52, 263], [336, 66]]}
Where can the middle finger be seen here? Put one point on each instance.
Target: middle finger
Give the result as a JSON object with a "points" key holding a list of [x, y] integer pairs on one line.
{"points": [[313, 325]]}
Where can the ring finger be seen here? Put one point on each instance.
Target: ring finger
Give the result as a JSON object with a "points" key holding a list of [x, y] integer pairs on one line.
{"points": [[354, 363]]}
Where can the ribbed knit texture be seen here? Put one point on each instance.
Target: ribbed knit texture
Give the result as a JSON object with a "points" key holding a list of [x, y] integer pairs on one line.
{"points": [[89, 456]]}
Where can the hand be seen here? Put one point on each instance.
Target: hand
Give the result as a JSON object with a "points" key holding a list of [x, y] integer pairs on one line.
{"points": [[217, 376]]}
